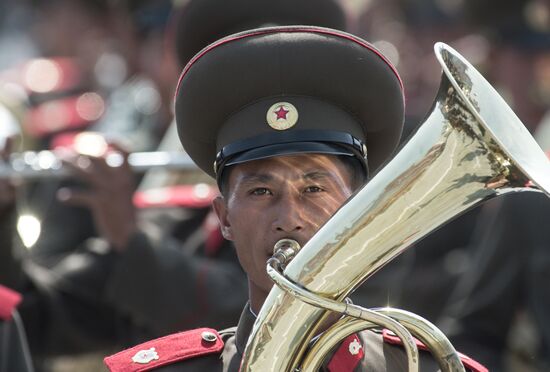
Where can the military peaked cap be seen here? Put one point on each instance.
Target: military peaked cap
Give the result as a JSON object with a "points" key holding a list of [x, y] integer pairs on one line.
{"points": [[201, 22], [287, 90]]}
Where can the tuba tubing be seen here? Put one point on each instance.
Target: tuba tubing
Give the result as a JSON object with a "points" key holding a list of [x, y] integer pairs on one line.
{"points": [[470, 148], [368, 316]]}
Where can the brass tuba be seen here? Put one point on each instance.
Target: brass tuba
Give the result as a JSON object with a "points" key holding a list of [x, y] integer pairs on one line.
{"points": [[470, 148]]}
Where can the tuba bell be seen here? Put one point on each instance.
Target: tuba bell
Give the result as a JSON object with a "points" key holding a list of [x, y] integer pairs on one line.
{"points": [[470, 148]]}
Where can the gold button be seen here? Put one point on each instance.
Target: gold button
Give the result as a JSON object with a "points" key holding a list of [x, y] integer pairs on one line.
{"points": [[209, 336]]}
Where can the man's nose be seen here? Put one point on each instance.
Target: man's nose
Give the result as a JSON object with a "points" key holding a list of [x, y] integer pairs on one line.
{"points": [[289, 215]]}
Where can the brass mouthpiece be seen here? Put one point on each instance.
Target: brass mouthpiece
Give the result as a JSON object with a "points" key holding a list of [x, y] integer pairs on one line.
{"points": [[283, 252]]}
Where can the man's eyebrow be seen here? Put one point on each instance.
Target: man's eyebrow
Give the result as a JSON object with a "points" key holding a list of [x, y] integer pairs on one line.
{"points": [[317, 175], [256, 177], [266, 177]]}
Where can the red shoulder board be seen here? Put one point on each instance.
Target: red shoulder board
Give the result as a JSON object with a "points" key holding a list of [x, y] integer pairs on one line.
{"points": [[468, 362], [8, 301], [166, 350], [190, 196]]}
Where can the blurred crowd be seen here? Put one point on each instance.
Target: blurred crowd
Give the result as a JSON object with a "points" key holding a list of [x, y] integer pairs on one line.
{"points": [[109, 257]]}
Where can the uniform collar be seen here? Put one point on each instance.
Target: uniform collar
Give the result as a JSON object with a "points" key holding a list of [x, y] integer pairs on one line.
{"points": [[244, 328]]}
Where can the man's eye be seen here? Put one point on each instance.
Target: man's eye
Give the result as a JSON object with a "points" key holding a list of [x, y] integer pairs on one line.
{"points": [[261, 191], [313, 189]]}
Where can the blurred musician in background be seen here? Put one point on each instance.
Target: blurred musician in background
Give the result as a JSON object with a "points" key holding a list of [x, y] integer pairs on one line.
{"points": [[142, 264], [500, 310]]}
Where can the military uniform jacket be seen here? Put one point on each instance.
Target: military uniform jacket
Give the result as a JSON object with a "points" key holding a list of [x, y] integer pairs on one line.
{"points": [[207, 350]]}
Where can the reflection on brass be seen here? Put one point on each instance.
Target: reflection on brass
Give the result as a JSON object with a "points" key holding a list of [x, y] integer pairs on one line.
{"points": [[344, 308], [471, 147]]}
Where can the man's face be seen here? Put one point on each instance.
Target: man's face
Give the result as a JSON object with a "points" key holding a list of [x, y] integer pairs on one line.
{"points": [[281, 197]]}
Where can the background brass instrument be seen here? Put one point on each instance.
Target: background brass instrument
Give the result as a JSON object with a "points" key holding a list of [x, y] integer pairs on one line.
{"points": [[471, 147], [32, 165]]}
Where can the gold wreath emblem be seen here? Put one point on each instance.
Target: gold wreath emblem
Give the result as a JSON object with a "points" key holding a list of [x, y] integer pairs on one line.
{"points": [[282, 116]]}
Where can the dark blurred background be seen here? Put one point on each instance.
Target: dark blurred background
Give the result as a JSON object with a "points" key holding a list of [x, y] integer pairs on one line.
{"points": [[110, 66]]}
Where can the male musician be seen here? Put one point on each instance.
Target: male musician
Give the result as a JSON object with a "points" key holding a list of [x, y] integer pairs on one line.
{"points": [[14, 352], [290, 121]]}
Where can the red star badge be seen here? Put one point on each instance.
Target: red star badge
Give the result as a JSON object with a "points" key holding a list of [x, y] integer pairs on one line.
{"points": [[282, 116], [281, 113]]}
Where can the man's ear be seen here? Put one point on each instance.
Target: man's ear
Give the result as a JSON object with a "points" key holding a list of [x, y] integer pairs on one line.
{"points": [[220, 207]]}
